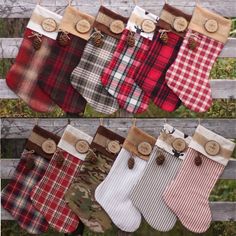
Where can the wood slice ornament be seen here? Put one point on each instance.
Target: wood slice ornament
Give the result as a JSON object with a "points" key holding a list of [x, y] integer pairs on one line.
{"points": [[49, 25], [148, 26], [212, 148], [131, 39], [144, 148], [117, 26], [113, 147], [179, 144], [82, 146], [49, 146], [211, 26], [83, 26], [180, 24]]}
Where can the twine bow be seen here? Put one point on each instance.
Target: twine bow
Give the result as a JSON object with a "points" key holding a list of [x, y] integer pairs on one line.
{"points": [[37, 35], [162, 31]]}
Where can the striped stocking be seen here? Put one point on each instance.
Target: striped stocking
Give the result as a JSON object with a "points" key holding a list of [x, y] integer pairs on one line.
{"points": [[163, 165], [187, 196]]}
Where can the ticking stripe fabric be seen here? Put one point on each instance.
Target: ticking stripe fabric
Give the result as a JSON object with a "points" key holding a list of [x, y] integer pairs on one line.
{"points": [[113, 193], [147, 194], [187, 196], [48, 195], [86, 76], [117, 77]]}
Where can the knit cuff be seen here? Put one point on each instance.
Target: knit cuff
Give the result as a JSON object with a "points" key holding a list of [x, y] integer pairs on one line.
{"points": [[173, 141], [210, 24], [107, 142], [142, 22], [139, 143], [212, 145], [44, 22], [77, 23], [110, 22], [75, 142], [174, 20], [42, 142]]}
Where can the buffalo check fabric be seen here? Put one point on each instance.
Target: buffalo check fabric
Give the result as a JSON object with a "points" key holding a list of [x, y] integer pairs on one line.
{"points": [[147, 193], [86, 76], [151, 74], [188, 75], [117, 77], [15, 197], [48, 195], [187, 195], [54, 79], [23, 75]]}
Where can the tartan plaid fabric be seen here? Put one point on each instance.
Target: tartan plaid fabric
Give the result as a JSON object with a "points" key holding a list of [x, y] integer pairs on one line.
{"points": [[23, 75], [151, 75], [188, 76], [15, 197], [117, 77], [55, 78], [48, 194], [86, 76]]}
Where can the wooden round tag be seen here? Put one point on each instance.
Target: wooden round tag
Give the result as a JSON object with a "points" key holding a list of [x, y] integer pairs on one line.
{"points": [[83, 26], [148, 26], [113, 147], [49, 146], [82, 146], [212, 148], [180, 24], [49, 25], [211, 26], [117, 26], [179, 144], [144, 148]]}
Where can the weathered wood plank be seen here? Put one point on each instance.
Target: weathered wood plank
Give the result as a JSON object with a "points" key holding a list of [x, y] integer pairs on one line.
{"points": [[9, 48], [8, 166], [20, 128], [221, 211], [23, 9], [220, 89]]}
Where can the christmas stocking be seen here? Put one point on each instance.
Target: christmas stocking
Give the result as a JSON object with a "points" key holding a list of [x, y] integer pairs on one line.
{"points": [[48, 195], [15, 197], [113, 194], [97, 53], [64, 57], [130, 53], [187, 196], [164, 163], [167, 40], [39, 37], [188, 76], [80, 196]]}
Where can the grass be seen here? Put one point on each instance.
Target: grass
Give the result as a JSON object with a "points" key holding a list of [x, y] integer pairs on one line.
{"points": [[225, 190]]}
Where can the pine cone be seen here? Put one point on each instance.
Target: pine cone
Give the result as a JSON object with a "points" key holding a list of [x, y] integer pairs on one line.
{"points": [[164, 38], [63, 39], [192, 44], [131, 162], [131, 39], [59, 160], [30, 163], [92, 156], [160, 159], [97, 39], [198, 160], [37, 42]]}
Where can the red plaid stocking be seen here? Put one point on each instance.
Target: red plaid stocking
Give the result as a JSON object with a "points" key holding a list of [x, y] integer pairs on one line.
{"points": [[15, 197], [188, 77], [64, 57], [187, 196], [164, 49], [130, 53], [48, 194], [31, 59]]}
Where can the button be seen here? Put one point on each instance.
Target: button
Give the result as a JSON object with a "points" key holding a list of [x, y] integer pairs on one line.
{"points": [[83, 26], [179, 144], [148, 26], [49, 25], [117, 26], [113, 147], [144, 148], [212, 148], [82, 146], [49, 146], [180, 24], [211, 26]]}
